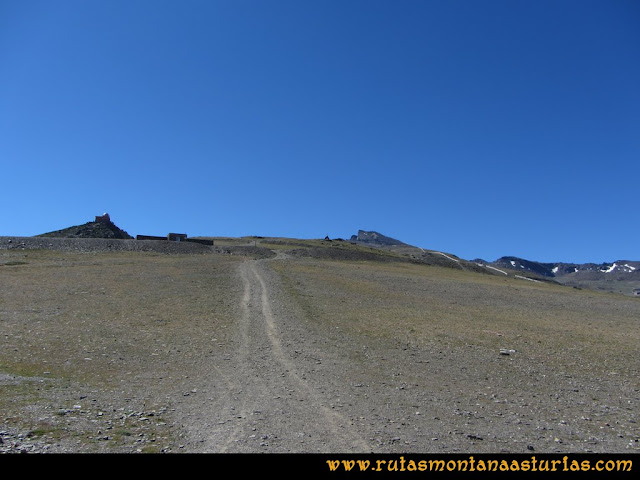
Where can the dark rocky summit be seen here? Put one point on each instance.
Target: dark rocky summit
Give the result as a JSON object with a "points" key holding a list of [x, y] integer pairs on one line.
{"points": [[374, 238], [102, 227]]}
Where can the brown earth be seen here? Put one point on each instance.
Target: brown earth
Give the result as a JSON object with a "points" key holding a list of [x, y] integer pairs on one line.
{"points": [[260, 348]]}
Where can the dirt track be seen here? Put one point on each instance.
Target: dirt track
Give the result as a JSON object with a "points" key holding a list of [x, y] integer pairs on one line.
{"points": [[271, 405]]}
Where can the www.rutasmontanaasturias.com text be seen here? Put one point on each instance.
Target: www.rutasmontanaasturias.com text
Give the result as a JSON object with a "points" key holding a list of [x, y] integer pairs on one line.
{"points": [[481, 465]]}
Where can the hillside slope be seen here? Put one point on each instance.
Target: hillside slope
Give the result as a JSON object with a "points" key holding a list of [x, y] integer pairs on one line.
{"points": [[220, 353]]}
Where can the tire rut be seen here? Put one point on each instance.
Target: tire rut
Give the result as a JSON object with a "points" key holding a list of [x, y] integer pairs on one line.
{"points": [[273, 409]]}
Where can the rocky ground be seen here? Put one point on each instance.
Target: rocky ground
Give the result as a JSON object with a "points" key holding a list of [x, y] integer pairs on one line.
{"points": [[109, 347]]}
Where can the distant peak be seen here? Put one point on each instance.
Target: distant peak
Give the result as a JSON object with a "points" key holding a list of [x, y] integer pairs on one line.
{"points": [[375, 238]]}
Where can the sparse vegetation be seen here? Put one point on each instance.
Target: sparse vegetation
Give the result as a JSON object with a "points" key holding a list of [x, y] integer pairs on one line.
{"points": [[129, 351], [103, 331]]}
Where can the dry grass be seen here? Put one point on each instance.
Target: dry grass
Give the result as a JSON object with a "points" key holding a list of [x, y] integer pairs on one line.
{"points": [[436, 334], [123, 335], [419, 304], [107, 326]]}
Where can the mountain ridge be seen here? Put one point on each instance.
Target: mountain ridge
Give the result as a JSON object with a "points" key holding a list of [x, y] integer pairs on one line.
{"points": [[621, 276], [556, 269]]}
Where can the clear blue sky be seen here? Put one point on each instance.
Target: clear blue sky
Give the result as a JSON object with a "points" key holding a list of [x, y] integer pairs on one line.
{"points": [[482, 128]]}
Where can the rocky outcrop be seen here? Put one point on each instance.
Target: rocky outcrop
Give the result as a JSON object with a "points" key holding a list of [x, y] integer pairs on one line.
{"points": [[375, 238], [102, 228]]}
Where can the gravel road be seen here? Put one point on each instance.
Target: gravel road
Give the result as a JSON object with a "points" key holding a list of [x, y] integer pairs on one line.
{"points": [[271, 405]]}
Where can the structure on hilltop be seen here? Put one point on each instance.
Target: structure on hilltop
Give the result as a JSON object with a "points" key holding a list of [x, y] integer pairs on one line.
{"points": [[104, 218]]}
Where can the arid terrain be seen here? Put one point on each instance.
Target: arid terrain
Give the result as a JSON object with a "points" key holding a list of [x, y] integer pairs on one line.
{"points": [[279, 345]]}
